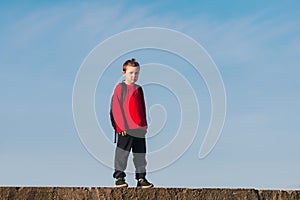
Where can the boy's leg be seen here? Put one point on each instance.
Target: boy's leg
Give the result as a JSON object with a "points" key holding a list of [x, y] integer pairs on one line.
{"points": [[121, 155], [139, 157]]}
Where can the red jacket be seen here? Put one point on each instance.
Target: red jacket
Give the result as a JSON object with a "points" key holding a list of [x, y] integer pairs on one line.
{"points": [[133, 106]]}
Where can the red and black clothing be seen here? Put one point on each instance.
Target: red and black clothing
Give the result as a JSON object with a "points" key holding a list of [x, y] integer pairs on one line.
{"points": [[130, 116]]}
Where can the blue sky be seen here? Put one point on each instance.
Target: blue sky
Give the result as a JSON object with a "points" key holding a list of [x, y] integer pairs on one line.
{"points": [[254, 44]]}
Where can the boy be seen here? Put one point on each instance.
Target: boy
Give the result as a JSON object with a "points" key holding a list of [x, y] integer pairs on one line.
{"points": [[129, 111]]}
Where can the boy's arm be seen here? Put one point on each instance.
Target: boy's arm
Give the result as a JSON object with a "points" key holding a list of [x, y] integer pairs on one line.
{"points": [[143, 106], [117, 110]]}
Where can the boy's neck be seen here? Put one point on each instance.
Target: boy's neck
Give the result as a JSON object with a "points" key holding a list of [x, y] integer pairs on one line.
{"points": [[129, 83]]}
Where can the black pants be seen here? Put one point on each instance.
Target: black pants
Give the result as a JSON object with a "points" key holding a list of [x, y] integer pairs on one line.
{"points": [[124, 145]]}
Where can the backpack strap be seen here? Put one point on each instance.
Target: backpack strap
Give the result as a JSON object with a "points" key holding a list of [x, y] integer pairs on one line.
{"points": [[123, 92]]}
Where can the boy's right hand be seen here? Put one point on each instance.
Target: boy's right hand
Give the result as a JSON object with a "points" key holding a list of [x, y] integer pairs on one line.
{"points": [[123, 133]]}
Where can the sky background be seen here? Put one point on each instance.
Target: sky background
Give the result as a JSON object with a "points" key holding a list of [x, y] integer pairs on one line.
{"points": [[255, 45]]}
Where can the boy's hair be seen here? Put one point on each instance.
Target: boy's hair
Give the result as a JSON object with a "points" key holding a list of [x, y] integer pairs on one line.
{"points": [[131, 62]]}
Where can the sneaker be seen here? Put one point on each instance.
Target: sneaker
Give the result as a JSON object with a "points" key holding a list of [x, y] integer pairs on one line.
{"points": [[143, 183], [120, 182]]}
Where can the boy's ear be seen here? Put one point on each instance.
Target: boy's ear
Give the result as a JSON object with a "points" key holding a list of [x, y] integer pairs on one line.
{"points": [[123, 73]]}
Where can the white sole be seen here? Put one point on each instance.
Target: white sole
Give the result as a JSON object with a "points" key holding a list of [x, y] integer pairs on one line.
{"points": [[120, 186], [145, 187]]}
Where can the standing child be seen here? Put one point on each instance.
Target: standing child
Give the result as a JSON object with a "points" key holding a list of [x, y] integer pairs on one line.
{"points": [[129, 112]]}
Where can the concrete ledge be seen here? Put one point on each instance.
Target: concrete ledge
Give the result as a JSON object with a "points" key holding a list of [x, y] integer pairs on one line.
{"points": [[95, 193]]}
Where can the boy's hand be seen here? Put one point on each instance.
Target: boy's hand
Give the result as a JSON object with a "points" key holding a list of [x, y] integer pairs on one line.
{"points": [[123, 133]]}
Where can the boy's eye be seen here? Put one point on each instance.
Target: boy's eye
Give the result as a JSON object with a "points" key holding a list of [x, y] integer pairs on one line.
{"points": [[133, 73]]}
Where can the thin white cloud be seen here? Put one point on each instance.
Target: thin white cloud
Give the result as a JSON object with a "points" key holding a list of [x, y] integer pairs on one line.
{"points": [[245, 41]]}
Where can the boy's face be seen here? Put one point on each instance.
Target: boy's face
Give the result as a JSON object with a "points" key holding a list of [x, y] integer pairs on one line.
{"points": [[131, 74]]}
